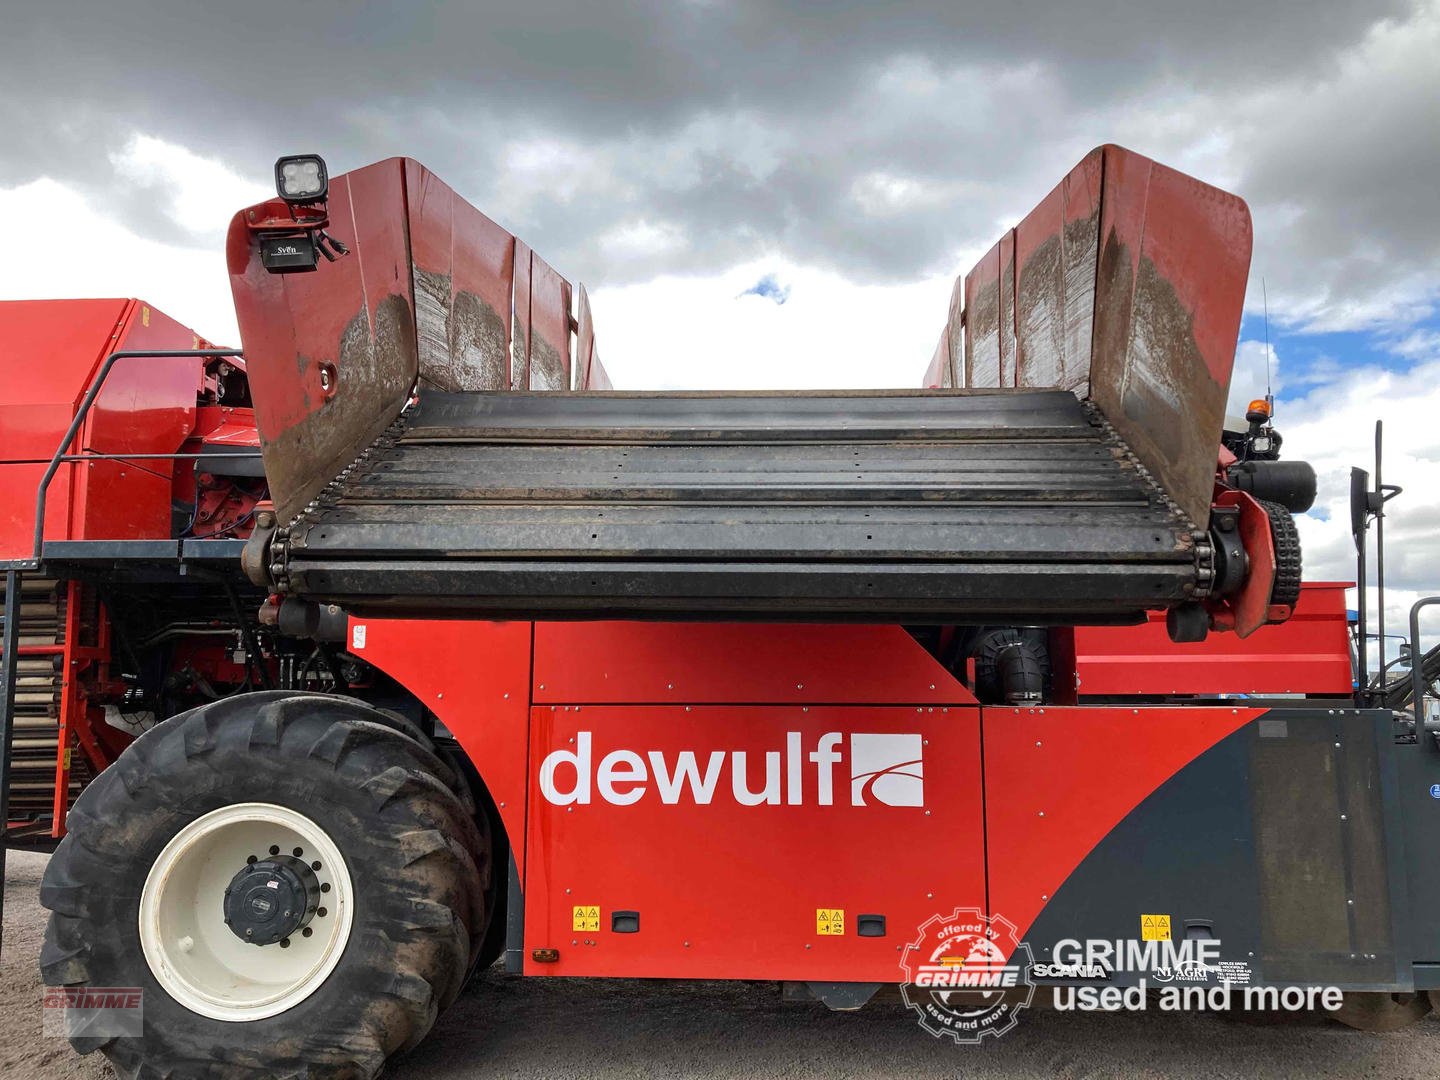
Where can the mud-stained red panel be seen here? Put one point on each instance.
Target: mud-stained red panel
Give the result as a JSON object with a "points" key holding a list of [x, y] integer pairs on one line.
{"points": [[549, 328], [1055, 282], [1170, 290], [520, 318], [598, 378], [938, 374], [352, 318], [491, 316], [1081, 247], [590, 374], [1005, 328], [1125, 285], [584, 340], [954, 335], [462, 268], [982, 321]]}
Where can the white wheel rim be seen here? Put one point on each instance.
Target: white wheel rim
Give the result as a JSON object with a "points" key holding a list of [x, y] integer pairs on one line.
{"points": [[194, 954]]}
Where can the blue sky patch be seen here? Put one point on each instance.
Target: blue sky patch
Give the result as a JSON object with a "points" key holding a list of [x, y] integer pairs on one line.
{"points": [[770, 288]]}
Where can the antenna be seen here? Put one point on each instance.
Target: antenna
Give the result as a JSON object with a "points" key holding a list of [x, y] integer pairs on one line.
{"points": [[1265, 302]]}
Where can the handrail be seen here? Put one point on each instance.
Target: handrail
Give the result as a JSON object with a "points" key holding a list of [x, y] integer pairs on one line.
{"points": [[42, 492], [1417, 665]]}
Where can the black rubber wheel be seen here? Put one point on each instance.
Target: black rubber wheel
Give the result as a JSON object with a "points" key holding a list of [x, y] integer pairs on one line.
{"points": [[413, 853], [1286, 538], [1382, 1012]]}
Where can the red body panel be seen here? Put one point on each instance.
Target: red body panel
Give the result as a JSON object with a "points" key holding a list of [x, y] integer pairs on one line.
{"points": [[1308, 654], [713, 663], [50, 351], [612, 754], [732, 891], [1057, 780], [475, 676]]}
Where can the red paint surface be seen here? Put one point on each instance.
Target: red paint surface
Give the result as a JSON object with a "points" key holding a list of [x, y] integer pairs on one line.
{"points": [[1057, 780], [475, 677], [50, 351], [1308, 654], [693, 663], [731, 891]]}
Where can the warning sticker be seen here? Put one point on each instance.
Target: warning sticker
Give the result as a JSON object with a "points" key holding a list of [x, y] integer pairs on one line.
{"points": [[357, 636], [1154, 927], [830, 921], [585, 917]]}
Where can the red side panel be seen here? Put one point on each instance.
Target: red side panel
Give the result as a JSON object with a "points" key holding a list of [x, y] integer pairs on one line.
{"points": [[475, 677], [50, 351], [549, 328], [463, 267], [694, 663], [520, 343], [1057, 780], [1308, 654], [148, 406], [1126, 285], [353, 318], [726, 890]]}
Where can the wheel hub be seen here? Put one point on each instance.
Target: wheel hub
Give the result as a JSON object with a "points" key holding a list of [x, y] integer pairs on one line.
{"points": [[271, 899]]}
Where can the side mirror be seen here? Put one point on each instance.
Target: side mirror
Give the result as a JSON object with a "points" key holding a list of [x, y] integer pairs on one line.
{"points": [[1359, 503]]}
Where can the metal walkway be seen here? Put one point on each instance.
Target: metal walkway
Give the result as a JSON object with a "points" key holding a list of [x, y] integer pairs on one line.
{"points": [[921, 506]]}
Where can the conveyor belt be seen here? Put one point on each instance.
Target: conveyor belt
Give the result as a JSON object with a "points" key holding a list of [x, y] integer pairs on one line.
{"points": [[965, 505]]}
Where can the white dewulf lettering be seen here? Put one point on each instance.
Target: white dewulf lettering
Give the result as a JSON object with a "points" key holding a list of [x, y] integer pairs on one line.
{"points": [[885, 770], [579, 761], [687, 771], [625, 767], [824, 759], [770, 793]]}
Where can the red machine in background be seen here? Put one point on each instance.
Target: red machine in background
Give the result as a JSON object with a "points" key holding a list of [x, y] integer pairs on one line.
{"points": [[683, 685], [166, 453]]}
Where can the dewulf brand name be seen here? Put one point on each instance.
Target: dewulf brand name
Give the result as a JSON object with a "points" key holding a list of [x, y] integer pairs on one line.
{"points": [[883, 769]]}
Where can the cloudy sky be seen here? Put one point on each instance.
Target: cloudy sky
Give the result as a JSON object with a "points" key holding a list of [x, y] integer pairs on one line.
{"points": [[778, 195]]}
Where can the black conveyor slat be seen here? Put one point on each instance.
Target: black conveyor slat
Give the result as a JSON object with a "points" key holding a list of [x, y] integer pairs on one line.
{"points": [[878, 505]]}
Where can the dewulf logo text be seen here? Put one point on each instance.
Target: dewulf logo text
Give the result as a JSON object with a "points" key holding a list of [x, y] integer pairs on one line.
{"points": [[883, 770]]}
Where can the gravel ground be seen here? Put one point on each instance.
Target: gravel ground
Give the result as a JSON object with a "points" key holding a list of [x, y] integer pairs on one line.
{"points": [[554, 1029]]}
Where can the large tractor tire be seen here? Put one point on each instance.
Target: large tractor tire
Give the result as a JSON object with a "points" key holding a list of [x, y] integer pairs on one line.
{"points": [[1382, 1012], [290, 879]]}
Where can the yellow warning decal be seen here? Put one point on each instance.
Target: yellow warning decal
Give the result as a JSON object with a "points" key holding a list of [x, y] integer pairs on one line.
{"points": [[144, 315], [830, 921], [68, 749], [1154, 927], [585, 917]]}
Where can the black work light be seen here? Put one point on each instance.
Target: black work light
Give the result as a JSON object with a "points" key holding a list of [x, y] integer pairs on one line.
{"points": [[302, 178]]}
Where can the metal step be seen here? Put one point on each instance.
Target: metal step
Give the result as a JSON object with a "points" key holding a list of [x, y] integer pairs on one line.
{"points": [[38, 685], [901, 505]]}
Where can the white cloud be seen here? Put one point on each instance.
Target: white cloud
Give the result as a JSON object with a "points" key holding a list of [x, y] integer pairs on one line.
{"points": [[1332, 427], [701, 333], [74, 250], [199, 194], [1256, 366]]}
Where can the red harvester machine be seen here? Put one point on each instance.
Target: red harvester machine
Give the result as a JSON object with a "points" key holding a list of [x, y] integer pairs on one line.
{"points": [[492, 660]]}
